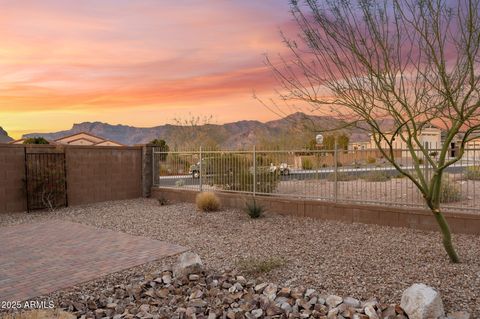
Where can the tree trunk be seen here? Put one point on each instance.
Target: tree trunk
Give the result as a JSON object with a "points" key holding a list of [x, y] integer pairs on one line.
{"points": [[447, 236]]}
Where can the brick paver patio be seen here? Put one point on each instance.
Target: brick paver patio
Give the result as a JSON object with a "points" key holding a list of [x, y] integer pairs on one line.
{"points": [[40, 258]]}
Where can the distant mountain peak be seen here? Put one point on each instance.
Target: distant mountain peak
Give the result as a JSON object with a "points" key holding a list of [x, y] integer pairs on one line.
{"points": [[238, 134], [4, 138]]}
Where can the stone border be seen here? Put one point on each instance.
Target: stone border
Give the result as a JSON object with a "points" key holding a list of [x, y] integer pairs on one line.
{"points": [[463, 223]]}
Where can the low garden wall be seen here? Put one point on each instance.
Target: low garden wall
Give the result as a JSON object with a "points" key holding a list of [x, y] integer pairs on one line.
{"points": [[350, 213]]}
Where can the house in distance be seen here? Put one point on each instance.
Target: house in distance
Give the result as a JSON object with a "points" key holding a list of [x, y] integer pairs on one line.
{"points": [[81, 138]]}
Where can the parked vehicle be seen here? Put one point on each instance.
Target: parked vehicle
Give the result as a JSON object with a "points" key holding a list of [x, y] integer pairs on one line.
{"points": [[282, 169], [209, 167]]}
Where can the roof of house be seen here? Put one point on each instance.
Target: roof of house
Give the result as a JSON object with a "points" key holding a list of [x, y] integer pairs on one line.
{"points": [[102, 140], [72, 135]]}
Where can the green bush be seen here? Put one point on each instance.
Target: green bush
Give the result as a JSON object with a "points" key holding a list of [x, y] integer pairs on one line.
{"points": [[235, 173], [254, 210], [307, 163], [341, 177], [259, 266], [450, 191], [472, 173], [35, 140], [180, 183], [375, 176]]}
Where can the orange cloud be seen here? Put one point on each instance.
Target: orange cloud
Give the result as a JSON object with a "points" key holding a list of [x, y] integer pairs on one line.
{"points": [[65, 61]]}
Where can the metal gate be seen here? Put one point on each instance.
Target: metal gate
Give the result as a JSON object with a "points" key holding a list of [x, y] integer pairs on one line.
{"points": [[46, 180]]}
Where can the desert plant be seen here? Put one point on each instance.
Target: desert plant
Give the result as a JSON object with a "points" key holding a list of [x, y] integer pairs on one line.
{"points": [[472, 173], [180, 183], [356, 51], [341, 177], [162, 201], [450, 191], [35, 140], [162, 147], [254, 210], [307, 163], [208, 202], [235, 173], [259, 266], [371, 160], [375, 176]]}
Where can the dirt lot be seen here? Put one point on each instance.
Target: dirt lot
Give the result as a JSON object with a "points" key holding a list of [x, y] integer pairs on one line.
{"points": [[357, 260]]}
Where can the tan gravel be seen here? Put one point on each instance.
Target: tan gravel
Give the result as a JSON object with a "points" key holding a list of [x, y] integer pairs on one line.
{"points": [[357, 260]]}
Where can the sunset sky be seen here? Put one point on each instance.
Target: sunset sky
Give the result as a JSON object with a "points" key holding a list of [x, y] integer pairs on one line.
{"points": [[140, 63]]}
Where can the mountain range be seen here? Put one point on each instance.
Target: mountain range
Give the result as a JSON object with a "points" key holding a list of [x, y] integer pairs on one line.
{"points": [[4, 138], [294, 130]]}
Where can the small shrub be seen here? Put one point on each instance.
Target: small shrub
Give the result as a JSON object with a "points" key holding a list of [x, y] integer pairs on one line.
{"points": [[472, 173], [307, 163], [376, 176], [260, 266], [450, 191], [163, 201], [254, 210], [371, 160], [341, 177], [208, 202], [180, 183]]}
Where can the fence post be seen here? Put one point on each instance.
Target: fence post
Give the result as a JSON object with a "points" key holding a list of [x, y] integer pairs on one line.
{"points": [[254, 170], [154, 172], [335, 159], [200, 173]]}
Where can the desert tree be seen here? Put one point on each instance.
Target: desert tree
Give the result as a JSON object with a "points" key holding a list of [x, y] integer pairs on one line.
{"points": [[414, 63]]}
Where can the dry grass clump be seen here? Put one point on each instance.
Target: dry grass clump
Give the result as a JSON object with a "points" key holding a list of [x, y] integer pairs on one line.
{"points": [[341, 177], [208, 202], [472, 173], [376, 176], [41, 314], [260, 266], [450, 191]]}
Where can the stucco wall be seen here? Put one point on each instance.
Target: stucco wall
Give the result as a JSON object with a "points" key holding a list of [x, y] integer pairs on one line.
{"points": [[94, 174]]}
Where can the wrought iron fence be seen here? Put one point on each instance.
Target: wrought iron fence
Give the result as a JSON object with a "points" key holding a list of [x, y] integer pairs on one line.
{"points": [[347, 176]]}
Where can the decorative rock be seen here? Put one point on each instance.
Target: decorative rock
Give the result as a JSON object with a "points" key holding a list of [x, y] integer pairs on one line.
{"points": [[389, 312], [352, 302], [332, 313], [270, 291], [422, 302], [459, 315], [193, 277], [332, 301], [259, 288], [167, 279], [370, 312], [188, 263], [284, 292], [257, 313], [309, 292]]}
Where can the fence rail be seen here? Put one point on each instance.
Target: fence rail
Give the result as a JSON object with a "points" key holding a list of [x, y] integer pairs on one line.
{"points": [[347, 176]]}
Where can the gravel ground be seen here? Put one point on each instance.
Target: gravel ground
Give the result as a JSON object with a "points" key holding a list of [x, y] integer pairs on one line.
{"points": [[357, 260]]}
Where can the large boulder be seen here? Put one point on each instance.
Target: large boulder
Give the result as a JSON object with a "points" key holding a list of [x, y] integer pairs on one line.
{"points": [[420, 301], [188, 263]]}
